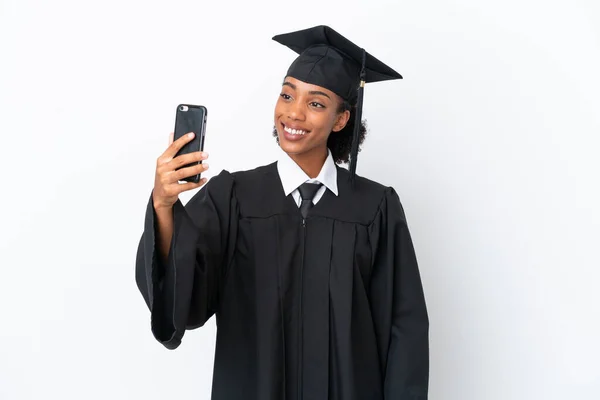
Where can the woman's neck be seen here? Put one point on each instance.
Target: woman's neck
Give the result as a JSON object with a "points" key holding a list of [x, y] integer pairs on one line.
{"points": [[311, 162]]}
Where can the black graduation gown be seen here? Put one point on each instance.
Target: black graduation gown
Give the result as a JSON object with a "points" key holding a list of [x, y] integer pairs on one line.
{"points": [[327, 308]]}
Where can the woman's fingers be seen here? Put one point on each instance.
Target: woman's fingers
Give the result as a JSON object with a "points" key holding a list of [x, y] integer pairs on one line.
{"points": [[174, 147], [186, 172], [186, 159]]}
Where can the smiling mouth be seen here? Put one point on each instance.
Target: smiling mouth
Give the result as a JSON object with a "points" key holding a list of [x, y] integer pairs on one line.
{"points": [[294, 131]]}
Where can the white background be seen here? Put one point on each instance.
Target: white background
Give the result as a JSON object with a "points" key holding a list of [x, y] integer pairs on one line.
{"points": [[491, 141]]}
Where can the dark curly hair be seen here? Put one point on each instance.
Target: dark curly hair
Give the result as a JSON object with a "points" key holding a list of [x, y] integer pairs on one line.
{"points": [[340, 143]]}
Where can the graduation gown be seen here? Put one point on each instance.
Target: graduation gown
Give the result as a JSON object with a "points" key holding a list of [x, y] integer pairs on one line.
{"points": [[327, 307]]}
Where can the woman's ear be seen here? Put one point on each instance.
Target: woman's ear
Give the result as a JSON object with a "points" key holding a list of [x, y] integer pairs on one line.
{"points": [[341, 120]]}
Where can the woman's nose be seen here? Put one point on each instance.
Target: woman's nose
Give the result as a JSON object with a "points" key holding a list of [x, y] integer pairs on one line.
{"points": [[297, 111]]}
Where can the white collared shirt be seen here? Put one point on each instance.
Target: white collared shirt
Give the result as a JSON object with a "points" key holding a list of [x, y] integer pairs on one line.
{"points": [[292, 176]]}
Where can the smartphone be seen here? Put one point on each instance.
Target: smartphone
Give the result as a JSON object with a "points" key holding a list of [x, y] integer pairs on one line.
{"points": [[190, 118]]}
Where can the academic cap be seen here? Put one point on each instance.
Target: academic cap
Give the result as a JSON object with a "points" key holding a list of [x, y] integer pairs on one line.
{"points": [[329, 60]]}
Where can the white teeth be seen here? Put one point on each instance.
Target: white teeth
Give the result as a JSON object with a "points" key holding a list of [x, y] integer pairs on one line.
{"points": [[294, 131]]}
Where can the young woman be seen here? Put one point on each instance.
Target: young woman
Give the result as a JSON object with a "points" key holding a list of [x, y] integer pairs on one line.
{"points": [[309, 269]]}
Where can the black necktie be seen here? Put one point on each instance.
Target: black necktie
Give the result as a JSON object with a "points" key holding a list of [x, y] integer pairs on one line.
{"points": [[307, 192]]}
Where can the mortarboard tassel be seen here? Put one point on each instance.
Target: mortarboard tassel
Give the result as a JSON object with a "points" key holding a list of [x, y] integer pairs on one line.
{"points": [[358, 118]]}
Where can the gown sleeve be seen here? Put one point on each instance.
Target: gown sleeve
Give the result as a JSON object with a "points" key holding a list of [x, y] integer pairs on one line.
{"points": [[398, 305], [184, 292]]}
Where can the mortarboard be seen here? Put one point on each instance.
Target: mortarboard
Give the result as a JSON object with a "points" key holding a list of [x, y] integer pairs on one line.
{"points": [[329, 60]]}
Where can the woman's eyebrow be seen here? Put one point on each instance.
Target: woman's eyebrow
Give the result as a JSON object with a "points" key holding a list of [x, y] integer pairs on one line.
{"points": [[312, 92], [317, 92]]}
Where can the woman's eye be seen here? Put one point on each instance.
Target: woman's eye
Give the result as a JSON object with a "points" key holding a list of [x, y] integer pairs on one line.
{"points": [[285, 96], [318, 105]]}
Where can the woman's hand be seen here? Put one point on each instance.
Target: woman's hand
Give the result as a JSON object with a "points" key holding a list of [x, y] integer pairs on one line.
{"points": [[166, 181]]}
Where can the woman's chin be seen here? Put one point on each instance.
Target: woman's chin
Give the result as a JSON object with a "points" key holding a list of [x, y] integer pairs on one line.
{"points": [[291, 148]]}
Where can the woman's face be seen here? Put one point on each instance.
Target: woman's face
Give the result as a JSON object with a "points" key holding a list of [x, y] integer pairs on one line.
{"points": [[305, 115]]}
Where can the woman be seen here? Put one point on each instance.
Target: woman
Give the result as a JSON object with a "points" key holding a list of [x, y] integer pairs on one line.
{"points": [[308, 268]]}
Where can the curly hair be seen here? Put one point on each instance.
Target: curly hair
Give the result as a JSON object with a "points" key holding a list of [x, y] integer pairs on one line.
{"points": [[340, 143]]}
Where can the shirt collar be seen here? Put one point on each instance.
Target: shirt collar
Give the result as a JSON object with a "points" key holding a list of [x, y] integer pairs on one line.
{"points": [[292, 176]]}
